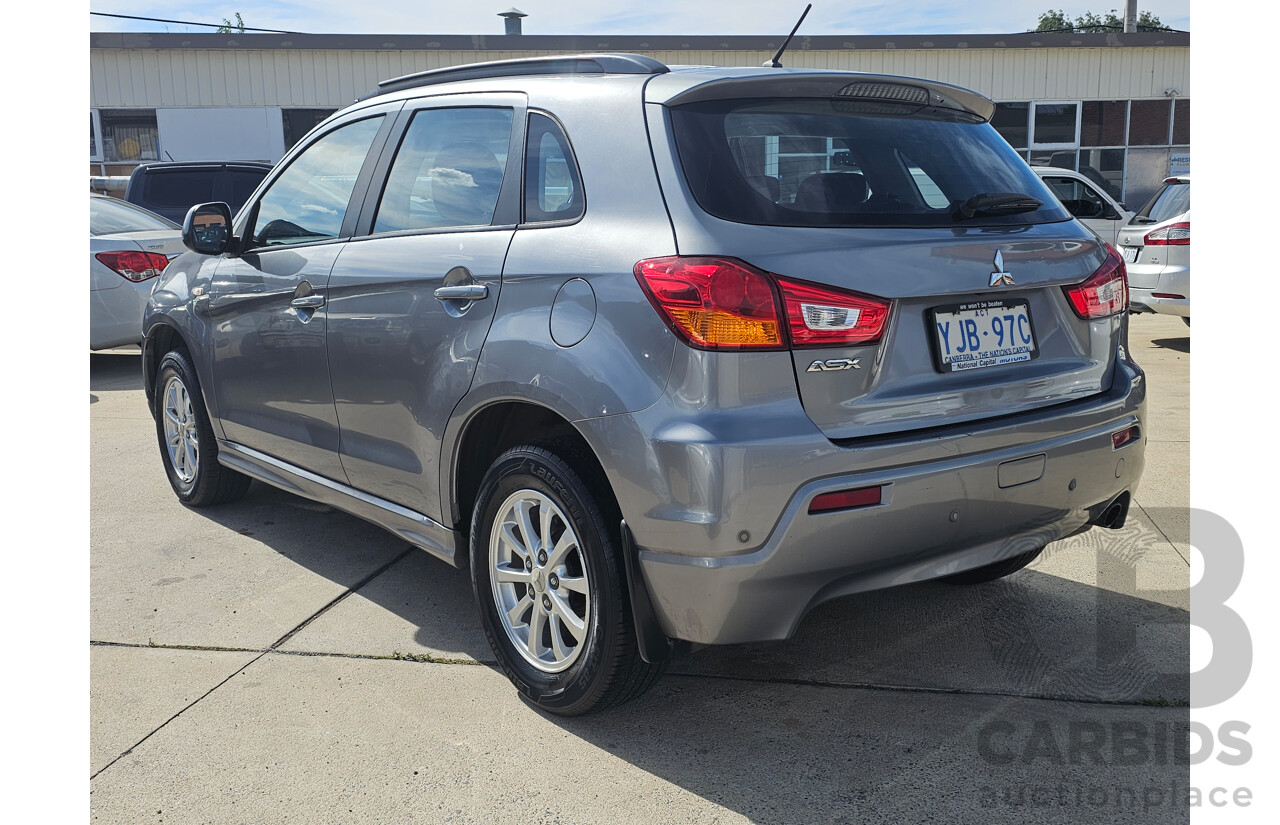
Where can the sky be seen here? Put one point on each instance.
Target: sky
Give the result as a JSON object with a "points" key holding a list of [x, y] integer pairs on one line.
{"points": [[581, 17]]}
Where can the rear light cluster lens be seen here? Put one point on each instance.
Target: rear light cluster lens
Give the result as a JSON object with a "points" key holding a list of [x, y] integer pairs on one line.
{"points": [[726, 304], [135, 266], [1175, 234], [1105, 293]]}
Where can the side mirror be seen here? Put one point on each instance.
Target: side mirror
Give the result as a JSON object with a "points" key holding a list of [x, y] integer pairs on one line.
{"points": [[207, 228]]}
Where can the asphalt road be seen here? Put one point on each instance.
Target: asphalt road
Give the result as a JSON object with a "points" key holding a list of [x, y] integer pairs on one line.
{"points": [[277, 661]]}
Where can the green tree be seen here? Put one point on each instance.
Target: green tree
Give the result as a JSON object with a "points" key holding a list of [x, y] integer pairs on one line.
{"points": [[228, 27], [1092, 22]]}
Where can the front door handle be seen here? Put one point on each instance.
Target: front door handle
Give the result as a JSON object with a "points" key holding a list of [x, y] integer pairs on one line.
{"points": [[307, 302], [462, 292]]}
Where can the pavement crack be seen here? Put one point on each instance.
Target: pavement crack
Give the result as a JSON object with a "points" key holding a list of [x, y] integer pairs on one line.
{"points": [[337, 600], [872, 686], [286, 637], [1161, 531]]}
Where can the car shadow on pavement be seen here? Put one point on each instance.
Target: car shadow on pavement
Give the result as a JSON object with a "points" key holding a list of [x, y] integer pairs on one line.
{"points": [[883, 706], [1032, 634], [1175, 344], [114, 371]]}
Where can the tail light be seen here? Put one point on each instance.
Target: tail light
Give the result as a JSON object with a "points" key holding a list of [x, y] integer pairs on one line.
{"points": [[823, 317], [1175, 234], [1105, 293], [726, 304], [134, 265]]}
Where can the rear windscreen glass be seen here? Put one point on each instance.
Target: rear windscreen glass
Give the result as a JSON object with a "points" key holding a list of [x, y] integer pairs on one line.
{"points": [[107, 217], [179, 188], [810, 162], [1170, 202]]}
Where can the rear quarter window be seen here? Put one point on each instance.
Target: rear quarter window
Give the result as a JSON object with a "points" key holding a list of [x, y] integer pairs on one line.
{"points": [[819, 162]]}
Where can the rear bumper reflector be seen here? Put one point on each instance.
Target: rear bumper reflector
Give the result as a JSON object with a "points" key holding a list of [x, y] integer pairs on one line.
{"points": [[845, 500]]}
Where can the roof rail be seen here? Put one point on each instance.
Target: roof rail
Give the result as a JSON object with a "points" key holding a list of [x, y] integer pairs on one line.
{"points": [[614, 63]]}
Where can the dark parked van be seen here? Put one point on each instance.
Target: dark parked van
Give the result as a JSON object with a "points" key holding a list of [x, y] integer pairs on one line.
{"points": [[170, 189]]}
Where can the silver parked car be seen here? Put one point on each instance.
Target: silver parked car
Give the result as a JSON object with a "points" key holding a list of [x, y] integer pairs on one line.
{"points": [[1086, 200], [128, 247], [667, 357], [1156, 244]]}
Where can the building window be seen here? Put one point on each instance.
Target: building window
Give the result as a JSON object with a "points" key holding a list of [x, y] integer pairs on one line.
{"points": [[1011, 121], [297, 122], [1182, 121], [1102, 122], [95, 142], [129, 135], [1056, 124], [1149, 123]]}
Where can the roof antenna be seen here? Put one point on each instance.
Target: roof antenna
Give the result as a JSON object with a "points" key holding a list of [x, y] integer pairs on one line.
{"points": [[774, 64]]}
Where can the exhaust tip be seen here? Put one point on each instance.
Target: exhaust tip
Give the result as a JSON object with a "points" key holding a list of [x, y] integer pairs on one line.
{"points": [[1115, 513]]}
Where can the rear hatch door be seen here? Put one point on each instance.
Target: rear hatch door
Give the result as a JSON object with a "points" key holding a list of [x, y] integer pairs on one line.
{"points": [[881, 198]]}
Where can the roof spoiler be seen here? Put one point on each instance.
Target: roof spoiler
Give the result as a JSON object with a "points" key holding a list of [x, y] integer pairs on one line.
{"points": [[845, 86], [608, 63]]}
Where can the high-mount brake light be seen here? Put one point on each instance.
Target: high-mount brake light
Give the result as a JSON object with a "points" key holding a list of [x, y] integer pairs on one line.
{"points": [[724, 303], [134, 265], [1105, 293], [1175, 234]]}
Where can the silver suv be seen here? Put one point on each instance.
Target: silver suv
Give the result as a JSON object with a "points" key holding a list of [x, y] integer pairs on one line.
{"points": [[668, 357]]}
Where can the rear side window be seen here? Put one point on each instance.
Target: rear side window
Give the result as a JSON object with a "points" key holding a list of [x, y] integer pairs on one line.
{"points": [[308, 200], [817, 162], [1170, 202], [552, 188], [179, 188], [448, 170]]}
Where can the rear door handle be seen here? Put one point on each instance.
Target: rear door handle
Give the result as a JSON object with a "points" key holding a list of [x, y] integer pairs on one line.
{"points": [[462, 292], [307, 302]]}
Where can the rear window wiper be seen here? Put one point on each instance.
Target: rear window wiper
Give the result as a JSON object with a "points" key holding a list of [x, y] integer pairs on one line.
{"points": [[995, 203]]}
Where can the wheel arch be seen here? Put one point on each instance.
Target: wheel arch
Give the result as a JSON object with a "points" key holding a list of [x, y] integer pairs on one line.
{"points": [[495, 427]]}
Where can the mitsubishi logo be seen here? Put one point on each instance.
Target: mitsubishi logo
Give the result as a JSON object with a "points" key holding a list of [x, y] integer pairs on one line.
{"points": [[1000, 277]]}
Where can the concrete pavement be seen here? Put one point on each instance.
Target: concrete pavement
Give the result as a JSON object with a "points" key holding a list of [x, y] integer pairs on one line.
{"points": [[278, 661]]}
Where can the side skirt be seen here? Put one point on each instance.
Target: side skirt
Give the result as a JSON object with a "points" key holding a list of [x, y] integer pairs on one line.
{"points": [[413, 527]]}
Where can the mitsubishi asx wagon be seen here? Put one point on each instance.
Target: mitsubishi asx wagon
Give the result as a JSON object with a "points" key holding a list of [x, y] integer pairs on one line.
{"points": [[666, 356]]}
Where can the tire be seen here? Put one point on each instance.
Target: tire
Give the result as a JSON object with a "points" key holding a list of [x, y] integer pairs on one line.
{"points": [[998, 570], [187, 444], [559, 622], [1186, 321]]}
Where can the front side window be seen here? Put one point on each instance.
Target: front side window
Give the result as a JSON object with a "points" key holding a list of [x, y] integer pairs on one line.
{"points": [[818, 162], [308, 201], [448, 170], [552, 189]]}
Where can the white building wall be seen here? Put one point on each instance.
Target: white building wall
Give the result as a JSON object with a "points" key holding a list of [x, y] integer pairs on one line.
{"points": [[156, 78], [221, 133]]}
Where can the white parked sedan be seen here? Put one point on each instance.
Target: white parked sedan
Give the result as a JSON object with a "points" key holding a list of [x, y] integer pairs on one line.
{"points": [[1087, 202], [128, 246], [1156, 245]]}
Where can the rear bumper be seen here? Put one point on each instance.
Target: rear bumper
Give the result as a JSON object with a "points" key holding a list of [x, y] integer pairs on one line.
{"points": [[946, 506], [1168, 281]]}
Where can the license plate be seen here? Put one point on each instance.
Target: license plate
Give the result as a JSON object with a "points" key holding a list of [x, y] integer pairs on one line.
{"points": [[1131, 253], [982, 334]]}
